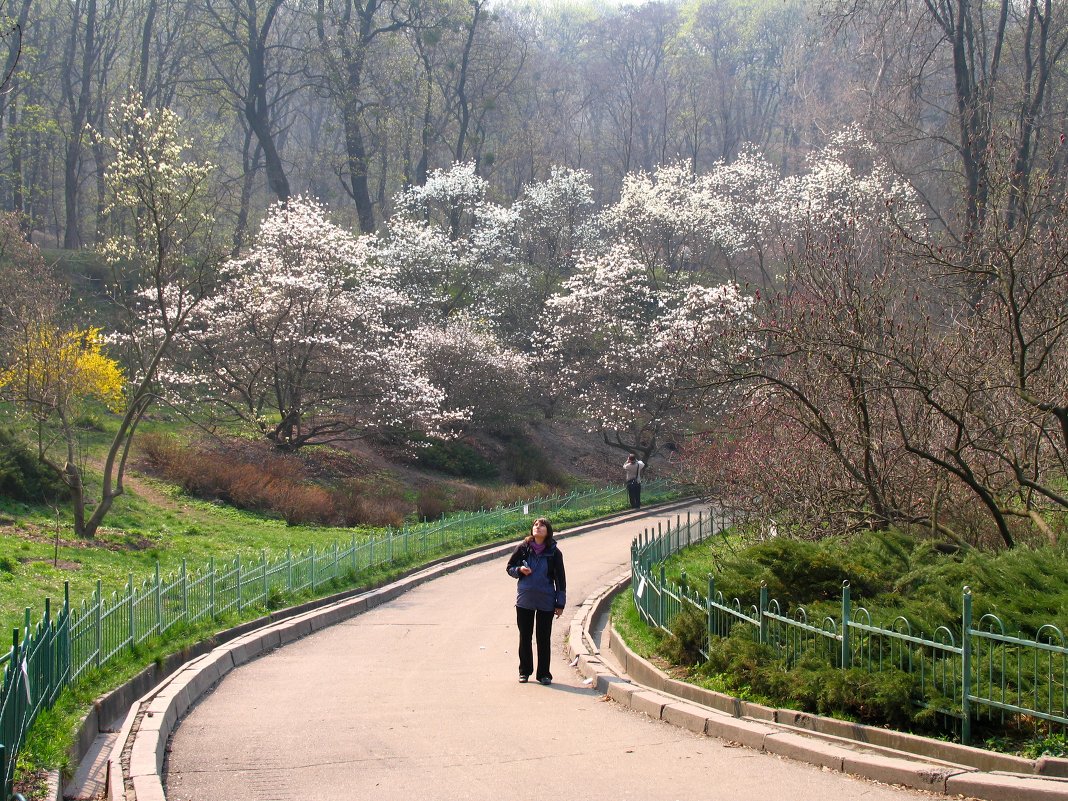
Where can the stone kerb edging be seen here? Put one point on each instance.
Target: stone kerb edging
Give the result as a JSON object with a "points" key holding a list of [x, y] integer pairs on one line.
{"points": [[136, 761], [872, 753]]}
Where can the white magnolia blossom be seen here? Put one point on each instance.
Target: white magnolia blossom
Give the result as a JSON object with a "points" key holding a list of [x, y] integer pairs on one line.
{"points": [[482, 379], [458, 189], [300, 341], [559, 208], [626, 349], [451, 246], [833, 193], [159, 238], [676, 219], [316, 330]]}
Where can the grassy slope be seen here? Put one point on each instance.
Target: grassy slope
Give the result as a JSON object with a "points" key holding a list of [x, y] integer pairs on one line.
{"points": [[138, 533]]}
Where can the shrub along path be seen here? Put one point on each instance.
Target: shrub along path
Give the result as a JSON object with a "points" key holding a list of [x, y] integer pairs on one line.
{"points": [[418, 698]]}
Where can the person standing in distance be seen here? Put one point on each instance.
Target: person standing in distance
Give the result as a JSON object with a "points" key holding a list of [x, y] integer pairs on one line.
{"points": [[540, 596], [632, 469]]}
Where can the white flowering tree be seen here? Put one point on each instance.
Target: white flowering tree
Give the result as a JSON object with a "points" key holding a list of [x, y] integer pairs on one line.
{"points": [[449, 247], [161, 257], [676, 220], [482, 379], [846, 187], [302, 341], [730, 221], [555, 224], [623, 350]]}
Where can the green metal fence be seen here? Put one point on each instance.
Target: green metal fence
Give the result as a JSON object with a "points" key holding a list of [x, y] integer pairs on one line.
{"points": [[45, 658], [966, 671]]}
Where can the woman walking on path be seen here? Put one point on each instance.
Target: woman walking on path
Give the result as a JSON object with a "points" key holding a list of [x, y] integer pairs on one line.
{"points": [[538, 564]]}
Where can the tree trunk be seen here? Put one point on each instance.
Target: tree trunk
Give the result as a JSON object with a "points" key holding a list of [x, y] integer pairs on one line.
{"points": [[79, 113], [356, 159], [257, 106]]}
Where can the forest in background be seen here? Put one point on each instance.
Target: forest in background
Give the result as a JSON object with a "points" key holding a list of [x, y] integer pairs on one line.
{"points": [[351, 102]]}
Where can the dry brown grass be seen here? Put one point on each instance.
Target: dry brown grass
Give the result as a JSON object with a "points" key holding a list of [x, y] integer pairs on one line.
{"points": [[299, 489]]}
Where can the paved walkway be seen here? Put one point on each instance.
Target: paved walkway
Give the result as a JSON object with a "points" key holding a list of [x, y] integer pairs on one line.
{"points": [[418, 699]]}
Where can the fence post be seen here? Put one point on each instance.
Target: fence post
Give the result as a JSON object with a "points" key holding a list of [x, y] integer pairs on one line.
{"points": [[263, 559], [847, 651], [96, 623], [682, 580], [237, 565], [311, 569], [130, 607], [185, 592], [68, 655], [20, 697], [354, 567], [211, 587], [708, 608], [660, 597], [159, 603], [289, 567], [50, 647], [966, 668], [763, 610]]}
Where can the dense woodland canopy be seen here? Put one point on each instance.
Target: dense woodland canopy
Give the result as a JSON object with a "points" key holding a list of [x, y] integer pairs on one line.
{"points": [[817, 246], [352, 101]]}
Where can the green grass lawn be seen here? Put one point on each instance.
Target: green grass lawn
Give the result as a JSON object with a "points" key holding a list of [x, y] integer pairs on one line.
{"points": [[136, 535]]}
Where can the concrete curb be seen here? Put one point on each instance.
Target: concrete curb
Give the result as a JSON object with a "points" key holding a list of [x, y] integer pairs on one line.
{"points": [[871, 753], [135, 765]]}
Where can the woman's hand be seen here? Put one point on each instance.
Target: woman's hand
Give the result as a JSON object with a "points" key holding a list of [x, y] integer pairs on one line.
{"points": [[558, 611], [526, 571]]}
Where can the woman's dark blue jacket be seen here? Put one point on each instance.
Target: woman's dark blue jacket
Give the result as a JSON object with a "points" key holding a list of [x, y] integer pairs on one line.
{"points": [[545, 588]]}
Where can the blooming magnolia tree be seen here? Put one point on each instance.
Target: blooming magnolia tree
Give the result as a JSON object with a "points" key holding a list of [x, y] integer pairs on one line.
{"points": [[482, 379], [734, 219], [304, 342], [622, 350], [846, 189], [159, 247], [675, 219], [449, 247], [555, 223]]}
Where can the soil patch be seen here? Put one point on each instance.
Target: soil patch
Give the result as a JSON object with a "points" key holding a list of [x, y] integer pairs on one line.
{"points": [[62, 564], [47, 535]]}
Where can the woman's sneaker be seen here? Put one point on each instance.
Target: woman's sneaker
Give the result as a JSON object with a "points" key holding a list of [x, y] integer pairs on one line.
{"points": [[523, 678]]}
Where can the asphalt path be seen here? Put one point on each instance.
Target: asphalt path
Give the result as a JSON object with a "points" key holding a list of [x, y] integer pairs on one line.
{"points": [[419, 699]]}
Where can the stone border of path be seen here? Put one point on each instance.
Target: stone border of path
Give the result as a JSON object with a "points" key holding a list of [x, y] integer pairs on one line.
{"points": [[128, 765], [872, 753]]}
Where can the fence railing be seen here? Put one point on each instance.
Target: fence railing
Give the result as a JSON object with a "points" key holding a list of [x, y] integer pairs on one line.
{"points": [[966, 671], [61, 648]]}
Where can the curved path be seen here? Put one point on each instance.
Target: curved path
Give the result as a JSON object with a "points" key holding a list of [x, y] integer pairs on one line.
{"points": [[418, 698]]}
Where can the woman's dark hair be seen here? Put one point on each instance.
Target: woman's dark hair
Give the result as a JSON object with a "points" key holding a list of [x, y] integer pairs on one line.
{"points": [[549, 539]]}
